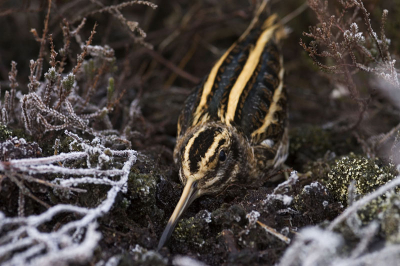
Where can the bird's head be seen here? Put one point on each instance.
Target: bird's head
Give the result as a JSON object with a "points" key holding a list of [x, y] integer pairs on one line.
{"points": [[209, 157]]}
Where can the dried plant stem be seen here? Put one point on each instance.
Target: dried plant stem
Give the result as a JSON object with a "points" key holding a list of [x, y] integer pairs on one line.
{"points": [[24, 190], [43, 43], [273, 232], [172, 66]]}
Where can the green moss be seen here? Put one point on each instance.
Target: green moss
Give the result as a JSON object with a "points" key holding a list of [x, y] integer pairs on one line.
{"points": [[371, 210], [143, 185], [189, 230], [142, 191], [368, 175], [320, 168], [5, 133]]}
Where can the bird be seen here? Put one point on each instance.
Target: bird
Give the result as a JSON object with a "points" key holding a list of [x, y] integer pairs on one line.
{"points": [[233, 126]]}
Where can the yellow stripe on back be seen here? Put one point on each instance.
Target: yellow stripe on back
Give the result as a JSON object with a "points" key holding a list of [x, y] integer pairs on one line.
{"points": [[208, 86], [269, 118], [248, 70]]}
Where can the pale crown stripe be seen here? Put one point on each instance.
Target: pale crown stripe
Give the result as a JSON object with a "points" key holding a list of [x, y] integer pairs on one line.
{"points": [[186, 161]]}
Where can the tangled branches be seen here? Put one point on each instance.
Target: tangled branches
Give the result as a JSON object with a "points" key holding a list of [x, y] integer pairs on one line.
{"points": [[339, 39], [63, 96], [132, 26], [56, 104], [23, 242], [7, 107]]}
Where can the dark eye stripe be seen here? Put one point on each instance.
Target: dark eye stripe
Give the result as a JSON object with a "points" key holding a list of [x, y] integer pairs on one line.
{"points": [[220, 143], [228, 171], [200, 147]]}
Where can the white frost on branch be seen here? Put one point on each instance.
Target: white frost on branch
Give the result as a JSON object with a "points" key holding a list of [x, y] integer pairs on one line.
{"points": [[315, 246], [253, 217], [312, 246], [22, 242]]}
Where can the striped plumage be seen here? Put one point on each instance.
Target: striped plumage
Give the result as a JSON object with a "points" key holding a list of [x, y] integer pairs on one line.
{"points": [[232, 128]]}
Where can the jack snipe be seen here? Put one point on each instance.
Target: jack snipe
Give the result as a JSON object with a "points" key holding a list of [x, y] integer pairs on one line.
{"points": [[232, 128]]}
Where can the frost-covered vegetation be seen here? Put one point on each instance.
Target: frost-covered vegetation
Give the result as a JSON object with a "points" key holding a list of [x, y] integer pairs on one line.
{"points": [[90, 95], [23, 242]]}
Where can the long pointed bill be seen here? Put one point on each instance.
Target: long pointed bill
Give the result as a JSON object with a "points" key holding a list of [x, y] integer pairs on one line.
{"points": [[189, 194]]}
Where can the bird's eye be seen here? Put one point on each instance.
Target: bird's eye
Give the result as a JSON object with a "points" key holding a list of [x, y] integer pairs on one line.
{"points": [[222, 156]]}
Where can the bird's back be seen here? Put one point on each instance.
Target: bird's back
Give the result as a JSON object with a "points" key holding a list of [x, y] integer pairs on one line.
{"points": [[245, 88]]}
